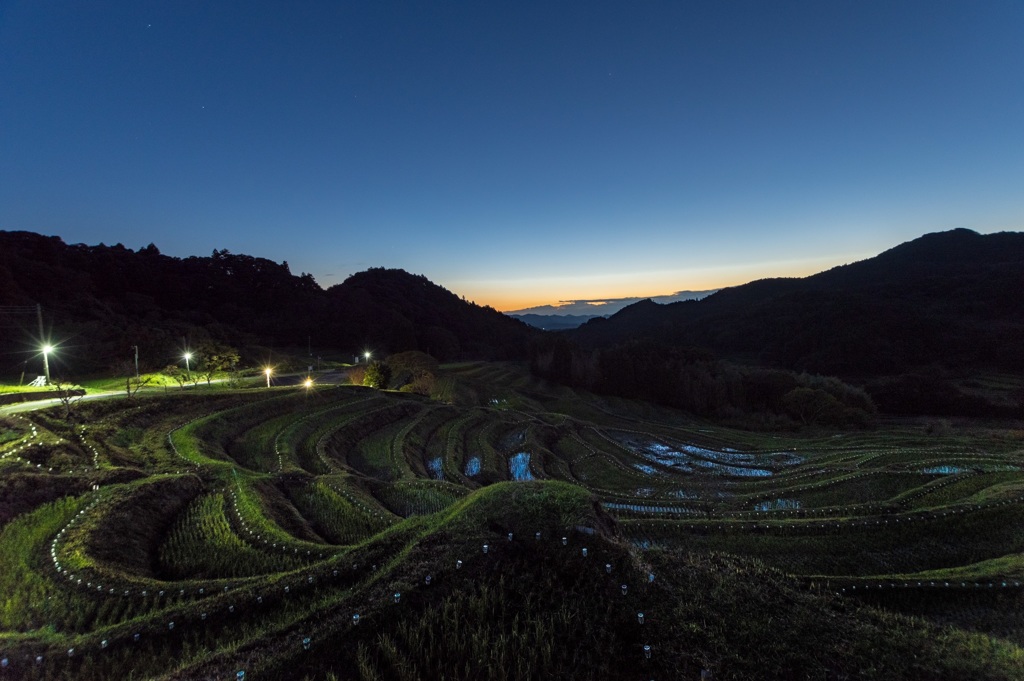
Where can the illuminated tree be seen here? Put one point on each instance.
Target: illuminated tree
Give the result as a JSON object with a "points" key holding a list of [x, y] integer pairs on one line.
{"points": [[68, 394], [174, 371], [377, 375], [216, 358], [413, 371]]}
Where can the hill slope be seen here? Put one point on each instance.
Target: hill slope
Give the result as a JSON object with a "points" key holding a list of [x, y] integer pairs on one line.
{"points": [[404, 311], [519, 530], [949, 299], [554, 322], [101, 300]]}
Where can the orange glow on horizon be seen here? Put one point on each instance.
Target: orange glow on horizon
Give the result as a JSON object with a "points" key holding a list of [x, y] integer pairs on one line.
{"points": [[509, 296]]}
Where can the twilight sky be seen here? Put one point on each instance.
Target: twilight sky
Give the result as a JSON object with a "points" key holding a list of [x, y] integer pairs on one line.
{"points": [[518, 153]]}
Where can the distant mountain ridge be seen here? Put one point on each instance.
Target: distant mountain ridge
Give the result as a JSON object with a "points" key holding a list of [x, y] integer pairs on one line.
{"points": [[554, 322], [603, 307], [949, 299]]}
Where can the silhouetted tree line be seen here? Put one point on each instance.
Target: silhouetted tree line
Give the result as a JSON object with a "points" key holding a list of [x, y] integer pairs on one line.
{"points": [[950, 300], [907, 325], [693, 380], [102, 300], [937, 395]]}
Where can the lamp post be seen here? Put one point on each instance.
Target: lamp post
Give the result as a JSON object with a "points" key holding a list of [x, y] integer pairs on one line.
{"points": [[188, 369], [268, 371], [137, 376], [366, 356], [47, 349]]}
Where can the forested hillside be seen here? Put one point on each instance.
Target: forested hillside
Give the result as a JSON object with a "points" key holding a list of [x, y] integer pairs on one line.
{"points": [[99, 301], [950, 298], [915, 326]]}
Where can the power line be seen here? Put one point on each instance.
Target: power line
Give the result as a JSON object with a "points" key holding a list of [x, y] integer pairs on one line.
{"points": [[12, 310]]}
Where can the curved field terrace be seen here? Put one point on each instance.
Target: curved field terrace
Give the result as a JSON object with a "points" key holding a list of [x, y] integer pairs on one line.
{"points": [[514, 530]]}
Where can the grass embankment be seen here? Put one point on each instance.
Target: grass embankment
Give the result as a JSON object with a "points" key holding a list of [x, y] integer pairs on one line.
{"points": [[534, 608], [252, 520]]}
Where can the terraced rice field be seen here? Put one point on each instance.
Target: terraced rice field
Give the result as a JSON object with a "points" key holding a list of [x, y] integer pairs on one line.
{"points": [[275, 533]]}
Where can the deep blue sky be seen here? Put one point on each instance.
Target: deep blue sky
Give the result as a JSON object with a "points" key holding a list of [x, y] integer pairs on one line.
{"points": [[518, 153]]}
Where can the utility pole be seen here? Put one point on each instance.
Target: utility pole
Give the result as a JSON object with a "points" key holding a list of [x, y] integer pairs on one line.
{"points": [[188, 358], [46, 346], [137, 376]]}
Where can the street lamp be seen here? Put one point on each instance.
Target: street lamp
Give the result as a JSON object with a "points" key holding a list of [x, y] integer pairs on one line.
{"points": [[308, 383], [47, 349], [268, 371], [188, 369], [366, 355]]}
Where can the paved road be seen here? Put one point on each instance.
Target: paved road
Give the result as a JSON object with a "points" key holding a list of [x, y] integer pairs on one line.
{"points": [[43, 404], [284, 380]]}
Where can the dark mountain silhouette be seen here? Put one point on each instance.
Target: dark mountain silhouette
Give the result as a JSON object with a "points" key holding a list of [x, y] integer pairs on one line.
{"points": [[918, 328], [906, 325], [401, 311], [949, 300], [98, 301], [554, 322]]}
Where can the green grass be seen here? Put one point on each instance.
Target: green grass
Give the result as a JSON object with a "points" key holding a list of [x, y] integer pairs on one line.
{"points": [[312, 507], [202, 545], [8, 388], [335, 514], [31, 594]]}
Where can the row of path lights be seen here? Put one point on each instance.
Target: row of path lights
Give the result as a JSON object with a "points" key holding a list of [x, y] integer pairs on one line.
{"points": [[647, 649], [144, 593], [13, 454], [397, 596], [855, 523], [253, 536], [321, 444], [174, 447], [1004, 584], [28, 440], [277, 438], [171, 625], [640, 615]]}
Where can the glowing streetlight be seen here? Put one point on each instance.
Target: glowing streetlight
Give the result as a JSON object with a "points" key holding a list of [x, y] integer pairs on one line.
{"points": [[367, 355], [308, 383], [47, 349], [268, 371], [188, 368]]}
